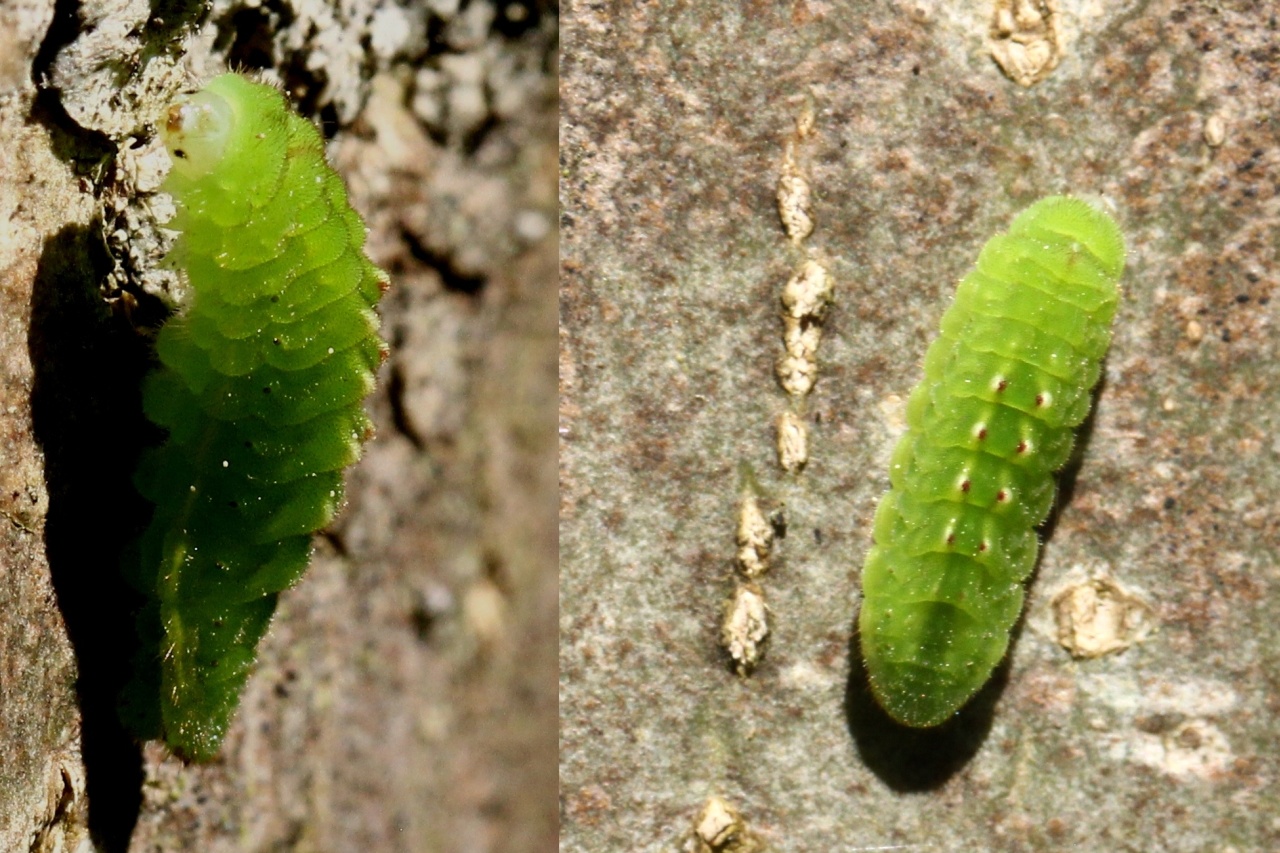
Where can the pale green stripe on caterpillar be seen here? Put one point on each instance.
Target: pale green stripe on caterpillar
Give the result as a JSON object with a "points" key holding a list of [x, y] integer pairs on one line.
{"points": [[1005, 384], [263, 370]]}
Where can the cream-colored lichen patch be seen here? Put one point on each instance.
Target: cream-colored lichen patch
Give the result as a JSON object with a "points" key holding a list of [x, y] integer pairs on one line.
{"points": [[808, 292], [720, 828], [1026, 39], [745, 627], [1099, 616], [755, 537], [1215, 131], [805, 298], [797, 374], [795, 206], [793, 442]]}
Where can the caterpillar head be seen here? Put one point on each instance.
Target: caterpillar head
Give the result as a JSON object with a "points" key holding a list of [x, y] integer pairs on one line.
{"points": [[197, 132], [228, 144]]}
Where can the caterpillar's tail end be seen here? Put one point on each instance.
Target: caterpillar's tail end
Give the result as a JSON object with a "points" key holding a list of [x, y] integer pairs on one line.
{"points": [[208, 662]]}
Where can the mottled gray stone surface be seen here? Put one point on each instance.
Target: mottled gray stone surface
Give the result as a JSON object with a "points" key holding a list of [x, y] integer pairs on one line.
{"points": [[674, 121]]}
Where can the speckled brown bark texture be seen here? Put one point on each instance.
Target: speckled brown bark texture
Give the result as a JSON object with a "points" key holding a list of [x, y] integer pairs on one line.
{"points": [[405, 697], [674, 124]]}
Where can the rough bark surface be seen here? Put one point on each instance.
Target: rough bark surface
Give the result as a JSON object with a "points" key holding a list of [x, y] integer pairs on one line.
{"points": [[674, 127], [405, 696]]}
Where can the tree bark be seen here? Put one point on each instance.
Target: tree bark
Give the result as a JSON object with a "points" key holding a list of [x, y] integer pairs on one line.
{"points": [[404, 698]]}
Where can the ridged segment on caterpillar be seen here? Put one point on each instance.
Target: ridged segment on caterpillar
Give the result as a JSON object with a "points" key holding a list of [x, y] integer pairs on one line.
{"points": [[264, 368], [1006, 383]]}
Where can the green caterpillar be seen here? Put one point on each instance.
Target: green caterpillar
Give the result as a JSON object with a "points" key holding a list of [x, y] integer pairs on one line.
{"points": [[264, 367], [1005, 384]]}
